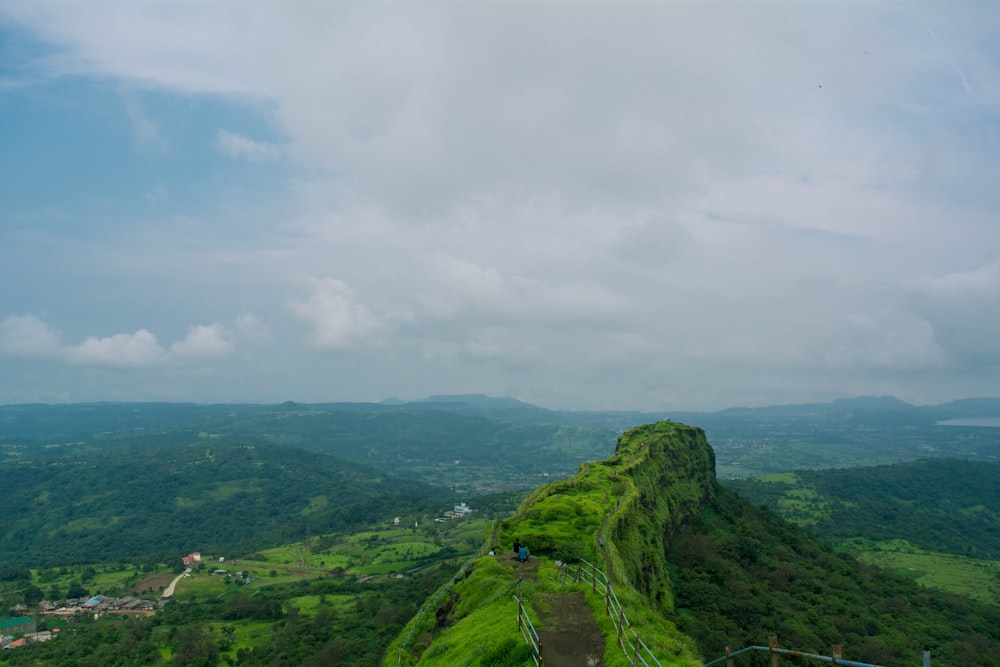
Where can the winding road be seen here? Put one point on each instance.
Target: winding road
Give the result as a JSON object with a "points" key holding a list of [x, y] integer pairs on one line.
{"points": [[169, 590]]}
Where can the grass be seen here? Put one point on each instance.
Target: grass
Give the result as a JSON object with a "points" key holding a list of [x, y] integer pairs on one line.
{"points": [[804, 506], [563, 517], [383, 549], [309, 604], [782, 477], [98, 578], [978, 579], [245, 634]]}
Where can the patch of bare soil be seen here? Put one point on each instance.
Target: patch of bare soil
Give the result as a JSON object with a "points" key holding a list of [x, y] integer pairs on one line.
{"points": [[568, 631], [526, 570], [153, 583]]}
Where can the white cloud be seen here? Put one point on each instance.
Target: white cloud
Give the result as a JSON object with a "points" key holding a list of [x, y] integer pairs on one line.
{"points": [[631, 203], [251, 330], [237, 146], [126, 350], [203, 342], [334, 318], [962, 308], [28, 336]]}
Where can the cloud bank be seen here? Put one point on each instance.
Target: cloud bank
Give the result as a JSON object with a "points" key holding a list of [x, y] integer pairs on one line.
{"points": [[648, 205]]}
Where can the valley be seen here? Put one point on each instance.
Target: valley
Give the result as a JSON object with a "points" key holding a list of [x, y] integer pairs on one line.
{"points": [[337, 529]]}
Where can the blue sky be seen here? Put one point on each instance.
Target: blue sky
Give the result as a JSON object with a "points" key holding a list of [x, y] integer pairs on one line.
{"points": [[653, 206]]}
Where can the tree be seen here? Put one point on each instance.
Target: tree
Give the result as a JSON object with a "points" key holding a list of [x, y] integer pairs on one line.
{"points": [[76, 590], [33, 595], [195, 648]]}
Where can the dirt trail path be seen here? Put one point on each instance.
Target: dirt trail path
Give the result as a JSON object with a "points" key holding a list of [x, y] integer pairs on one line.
{"points": [[568, 631]]}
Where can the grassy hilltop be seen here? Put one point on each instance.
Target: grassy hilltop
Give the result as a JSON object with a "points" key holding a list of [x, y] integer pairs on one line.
{"points": [[696, 568], [613, 513]]}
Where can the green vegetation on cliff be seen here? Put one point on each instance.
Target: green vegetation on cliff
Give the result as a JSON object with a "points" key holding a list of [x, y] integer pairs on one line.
{"points": [[613, 513], [691, 561], [742, 574]]}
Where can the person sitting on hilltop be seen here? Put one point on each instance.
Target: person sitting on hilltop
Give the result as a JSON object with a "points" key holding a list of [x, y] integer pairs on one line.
{"points": [[522, 553], [517, 546]]}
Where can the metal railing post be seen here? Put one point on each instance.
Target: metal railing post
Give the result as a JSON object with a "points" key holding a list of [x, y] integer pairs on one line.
{"points": [[520, 603]]}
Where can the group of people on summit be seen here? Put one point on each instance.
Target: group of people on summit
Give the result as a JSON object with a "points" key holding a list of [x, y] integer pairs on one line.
{"points": [[520, 551]]}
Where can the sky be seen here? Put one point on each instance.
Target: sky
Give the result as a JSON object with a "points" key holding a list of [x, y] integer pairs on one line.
{"points": [[584, 205]]}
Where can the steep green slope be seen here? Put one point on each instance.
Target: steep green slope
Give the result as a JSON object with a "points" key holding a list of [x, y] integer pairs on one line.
{"points": [[690, 562], [218, 495], [743, 574], [614, 514]]}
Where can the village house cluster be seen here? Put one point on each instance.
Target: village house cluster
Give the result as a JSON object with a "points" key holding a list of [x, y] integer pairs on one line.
{"points": [[461, 510], [21, 631], [102, 604]]}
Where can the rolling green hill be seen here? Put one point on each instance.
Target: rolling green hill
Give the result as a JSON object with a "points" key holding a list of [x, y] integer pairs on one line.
{"points": [[477, 443], [467, 443], [698, 569], [219, 495]]}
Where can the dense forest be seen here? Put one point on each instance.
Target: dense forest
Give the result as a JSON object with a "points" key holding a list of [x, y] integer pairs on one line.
{"points": [[741, 573], [219, 495], [936, 504], [486, 446], [502, 443]]}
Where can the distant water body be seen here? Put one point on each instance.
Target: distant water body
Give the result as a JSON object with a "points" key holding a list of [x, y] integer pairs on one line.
{"points": [[972, 421]]}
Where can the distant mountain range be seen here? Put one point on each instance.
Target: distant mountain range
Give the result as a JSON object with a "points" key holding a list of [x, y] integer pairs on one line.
{"points": [[476, 443]]}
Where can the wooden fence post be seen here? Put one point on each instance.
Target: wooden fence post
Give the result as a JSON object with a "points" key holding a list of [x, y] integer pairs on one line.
{"points": [[772, 643], [729, 656], [838, 654], [635, 656]]}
